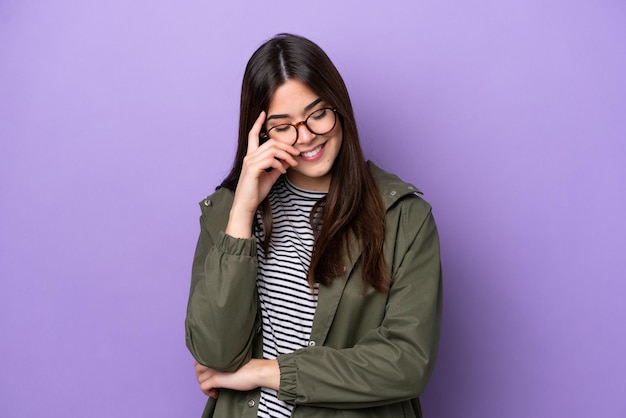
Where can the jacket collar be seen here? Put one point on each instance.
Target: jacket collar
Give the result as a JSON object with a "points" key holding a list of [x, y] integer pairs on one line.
{"points": [[391, 187]]}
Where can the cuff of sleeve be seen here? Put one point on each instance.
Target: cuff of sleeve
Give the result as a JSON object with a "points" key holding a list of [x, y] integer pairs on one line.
{"points": [[288, 369], [236, 246]]}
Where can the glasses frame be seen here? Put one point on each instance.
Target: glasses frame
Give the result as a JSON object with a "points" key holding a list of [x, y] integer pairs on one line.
{"points": [[266, 135]]}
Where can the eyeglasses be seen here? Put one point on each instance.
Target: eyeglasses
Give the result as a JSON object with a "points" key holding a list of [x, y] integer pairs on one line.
{"points": [[320, 122]]}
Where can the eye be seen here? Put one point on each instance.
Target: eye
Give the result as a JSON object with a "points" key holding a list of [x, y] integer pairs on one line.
{"points": [[319, 114], [281, 128]]}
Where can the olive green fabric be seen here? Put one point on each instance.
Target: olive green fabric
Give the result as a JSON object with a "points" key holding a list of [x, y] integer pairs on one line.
{"points": [[371, 353]]}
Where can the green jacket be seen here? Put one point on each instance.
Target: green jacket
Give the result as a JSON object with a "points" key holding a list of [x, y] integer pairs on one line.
{"points": [[370, 355]]}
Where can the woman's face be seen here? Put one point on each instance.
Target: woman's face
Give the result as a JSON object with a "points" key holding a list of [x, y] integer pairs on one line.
{"points": [[293, 102]]}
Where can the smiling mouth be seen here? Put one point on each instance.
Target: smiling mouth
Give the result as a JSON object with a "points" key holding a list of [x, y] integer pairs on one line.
{"points": [[313, 152]]}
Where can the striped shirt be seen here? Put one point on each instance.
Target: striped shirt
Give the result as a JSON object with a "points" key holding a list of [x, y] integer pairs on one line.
{"points": [[287, 303]]}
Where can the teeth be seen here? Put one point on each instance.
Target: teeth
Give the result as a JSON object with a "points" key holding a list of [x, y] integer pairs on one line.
{"points": [[312, 153]]}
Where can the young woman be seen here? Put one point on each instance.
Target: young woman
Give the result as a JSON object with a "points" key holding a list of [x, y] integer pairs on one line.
{"points": [[316, 283]]}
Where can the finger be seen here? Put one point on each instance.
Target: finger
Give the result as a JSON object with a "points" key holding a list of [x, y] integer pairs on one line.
{"points": [[210, 386], [264, 156], [199, 368], [287, 155], [212, 392], [204, 375], [285, 147], [276, 167], [253, 136], [277, 158], [286, 165], [275, 171]]}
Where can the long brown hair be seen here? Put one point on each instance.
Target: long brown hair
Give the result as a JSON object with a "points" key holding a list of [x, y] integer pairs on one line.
{"points": [[353, 207]]}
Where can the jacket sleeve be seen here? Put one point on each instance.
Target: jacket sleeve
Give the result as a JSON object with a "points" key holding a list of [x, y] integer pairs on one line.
{"points": [[393, 362], [222, 307]]}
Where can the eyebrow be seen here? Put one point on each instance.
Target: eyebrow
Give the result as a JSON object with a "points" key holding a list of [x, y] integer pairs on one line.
{"points": [[306, 109]]}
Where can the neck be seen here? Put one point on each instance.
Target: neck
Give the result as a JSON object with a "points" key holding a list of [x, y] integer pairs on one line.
{"points": [[313, 184]]}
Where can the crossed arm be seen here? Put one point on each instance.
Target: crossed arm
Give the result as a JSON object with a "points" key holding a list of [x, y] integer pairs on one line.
{"points": [[255, 373]]}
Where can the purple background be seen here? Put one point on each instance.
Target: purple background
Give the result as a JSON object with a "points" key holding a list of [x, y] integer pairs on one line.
{"points": [[118, 116]]}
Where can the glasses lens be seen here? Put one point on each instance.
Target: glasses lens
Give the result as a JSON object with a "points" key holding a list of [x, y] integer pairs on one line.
{"points": [[321, 121], [284, 133]]}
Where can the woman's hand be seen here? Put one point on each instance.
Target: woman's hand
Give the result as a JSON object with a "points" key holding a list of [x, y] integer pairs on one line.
{"points": [[256, 373], [262, 166]]}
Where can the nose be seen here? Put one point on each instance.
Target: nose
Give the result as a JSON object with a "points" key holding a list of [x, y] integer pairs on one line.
{"points": [[304, 135]]}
